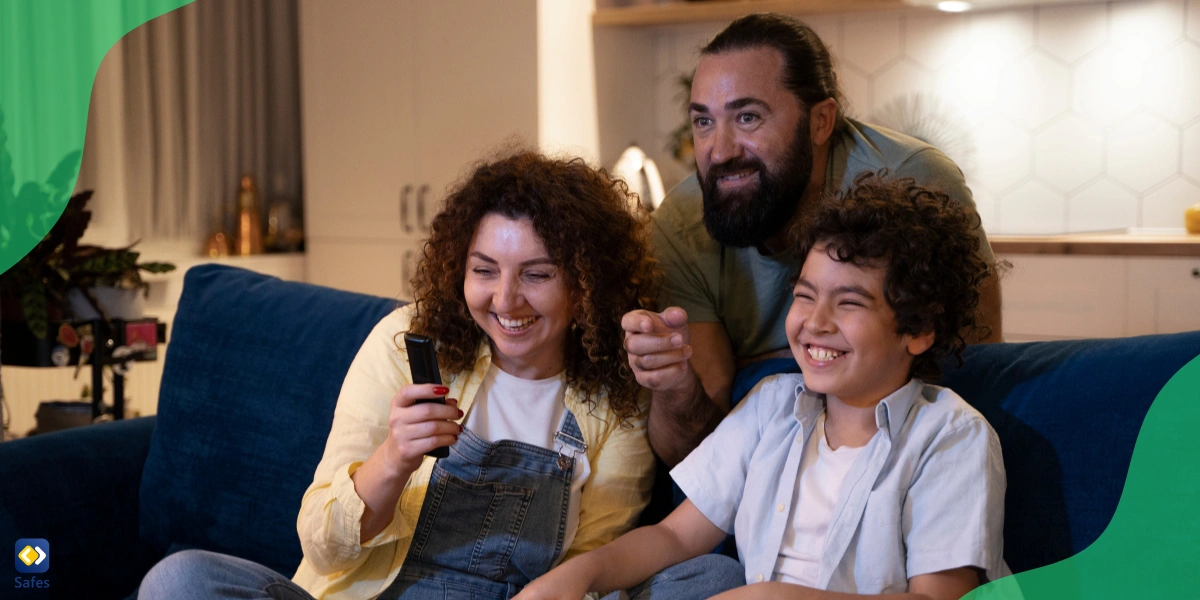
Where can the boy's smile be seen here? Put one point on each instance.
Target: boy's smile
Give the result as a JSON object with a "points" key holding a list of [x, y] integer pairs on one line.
{"points": [[842, 332]]}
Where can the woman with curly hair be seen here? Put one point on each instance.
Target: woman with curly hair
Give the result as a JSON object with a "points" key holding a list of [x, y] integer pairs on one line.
{"points": [[523, 281]]}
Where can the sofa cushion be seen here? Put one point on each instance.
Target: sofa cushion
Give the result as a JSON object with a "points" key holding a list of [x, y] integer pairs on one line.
{"points": [[251, 377], [1067, 414], [77, 489]]}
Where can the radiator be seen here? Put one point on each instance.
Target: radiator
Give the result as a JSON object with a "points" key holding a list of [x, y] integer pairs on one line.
{"points": [[25, 387]]}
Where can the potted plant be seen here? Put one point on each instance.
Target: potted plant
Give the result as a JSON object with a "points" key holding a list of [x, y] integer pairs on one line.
{"points": [[59, 266]]}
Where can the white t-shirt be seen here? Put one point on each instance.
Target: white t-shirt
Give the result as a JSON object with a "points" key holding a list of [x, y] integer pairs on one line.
{"points": [[530, 411], [822, 471]]}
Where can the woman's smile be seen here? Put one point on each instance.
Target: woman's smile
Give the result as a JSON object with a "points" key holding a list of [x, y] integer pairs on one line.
{"points": [[515, 326]]}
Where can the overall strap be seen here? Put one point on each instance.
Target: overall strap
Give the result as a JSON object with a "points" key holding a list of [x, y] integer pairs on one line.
{"points": [[568, 441]]}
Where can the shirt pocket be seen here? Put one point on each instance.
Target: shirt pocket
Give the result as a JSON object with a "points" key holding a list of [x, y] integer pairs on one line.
{"points": [[881, 561]]}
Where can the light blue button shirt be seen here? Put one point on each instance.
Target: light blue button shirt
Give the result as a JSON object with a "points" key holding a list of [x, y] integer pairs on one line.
{"points": [[925, 495]]}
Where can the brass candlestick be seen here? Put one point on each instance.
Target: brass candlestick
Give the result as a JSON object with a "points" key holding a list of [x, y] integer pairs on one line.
{"points": [[249, 228]]}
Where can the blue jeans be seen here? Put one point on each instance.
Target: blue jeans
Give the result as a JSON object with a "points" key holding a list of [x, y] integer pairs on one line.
{"points": [[702, 577], [204, 575], [493, 519]]}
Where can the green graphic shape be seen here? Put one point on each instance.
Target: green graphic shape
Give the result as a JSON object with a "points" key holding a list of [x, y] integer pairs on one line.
{"points": [[50, 51], [1151, 549]]}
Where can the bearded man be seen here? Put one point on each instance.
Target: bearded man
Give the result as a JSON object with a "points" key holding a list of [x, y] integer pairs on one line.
{"points": [[771, 141]]}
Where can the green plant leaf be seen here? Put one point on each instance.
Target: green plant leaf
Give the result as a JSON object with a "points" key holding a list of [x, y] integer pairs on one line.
{"points": [[8, 179], [73, 222], [33, 200], [157, 267], [109, 263], [33, 303], [61, 177]]}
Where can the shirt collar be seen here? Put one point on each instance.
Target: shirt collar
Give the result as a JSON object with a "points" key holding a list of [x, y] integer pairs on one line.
{"points": [[839, 156], [483, 361], [890, 413]]}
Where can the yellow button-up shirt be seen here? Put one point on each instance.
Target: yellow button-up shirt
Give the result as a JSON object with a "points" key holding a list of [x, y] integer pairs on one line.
{"points": [[338, 565]]}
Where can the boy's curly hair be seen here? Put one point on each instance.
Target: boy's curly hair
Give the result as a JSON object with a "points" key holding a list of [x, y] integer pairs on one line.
{"points": [[928, 246], [602, 248]]}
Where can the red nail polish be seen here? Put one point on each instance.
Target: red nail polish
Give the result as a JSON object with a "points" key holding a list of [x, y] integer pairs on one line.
{"points": [[441, 390], [460, 414]]}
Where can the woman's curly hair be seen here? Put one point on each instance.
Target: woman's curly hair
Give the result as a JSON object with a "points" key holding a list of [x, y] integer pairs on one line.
{"points": [[928, 245], [585, 222]]}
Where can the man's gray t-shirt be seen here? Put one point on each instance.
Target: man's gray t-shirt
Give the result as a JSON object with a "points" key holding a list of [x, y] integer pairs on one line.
{"points": [[750, 293]]}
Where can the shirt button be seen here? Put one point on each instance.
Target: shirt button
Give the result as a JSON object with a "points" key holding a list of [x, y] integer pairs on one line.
{"points": [[799, 439], [758, 578], [779, 508]]}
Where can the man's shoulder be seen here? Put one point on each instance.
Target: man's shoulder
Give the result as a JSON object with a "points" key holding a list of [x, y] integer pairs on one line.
{"points": [[880, 144], [680, 219], [872, 147], [683, 207]]}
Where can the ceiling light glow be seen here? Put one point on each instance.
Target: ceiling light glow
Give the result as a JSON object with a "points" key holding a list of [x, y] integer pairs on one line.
{"points": [[953, 6]]}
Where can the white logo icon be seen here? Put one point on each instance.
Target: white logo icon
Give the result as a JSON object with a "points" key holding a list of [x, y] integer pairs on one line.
{"points": [[27, 556]]}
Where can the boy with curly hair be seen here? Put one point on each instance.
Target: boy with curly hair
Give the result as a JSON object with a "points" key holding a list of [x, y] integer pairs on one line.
{"points": [[854, 476]]}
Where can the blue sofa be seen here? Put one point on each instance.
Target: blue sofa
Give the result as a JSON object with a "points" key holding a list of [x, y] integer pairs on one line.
{"points": [[252, 374]]}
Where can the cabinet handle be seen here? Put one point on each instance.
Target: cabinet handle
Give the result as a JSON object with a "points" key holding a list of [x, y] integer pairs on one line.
{"points": [[404, 208], [1196, 273], [406, 274], [421, 222]]}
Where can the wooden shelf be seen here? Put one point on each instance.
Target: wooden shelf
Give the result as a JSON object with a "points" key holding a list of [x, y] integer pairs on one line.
{"points": [[677, 13], [1098, 244]]}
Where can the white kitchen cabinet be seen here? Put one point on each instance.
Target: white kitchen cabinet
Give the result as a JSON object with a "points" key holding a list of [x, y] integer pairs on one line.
{"points": [[1047, 296], [1164, 295], [357, 109], [399, 97], [1054, 297], [477, 86], [378, 267]]}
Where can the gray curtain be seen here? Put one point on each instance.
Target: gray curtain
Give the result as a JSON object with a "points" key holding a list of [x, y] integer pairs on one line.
{"points": [[182, 107]]}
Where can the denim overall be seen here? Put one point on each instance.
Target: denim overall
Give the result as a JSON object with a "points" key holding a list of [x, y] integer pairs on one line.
{"points": [[493, 520]]}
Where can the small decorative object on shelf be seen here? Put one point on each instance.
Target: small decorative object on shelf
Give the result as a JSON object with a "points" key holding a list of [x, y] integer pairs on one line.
{"points": [[283, 233], [1191, 219], [249, 228], [217, 244]]}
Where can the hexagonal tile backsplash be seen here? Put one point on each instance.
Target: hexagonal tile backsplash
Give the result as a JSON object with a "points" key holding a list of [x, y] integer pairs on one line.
{"points": [[1082, 117]]}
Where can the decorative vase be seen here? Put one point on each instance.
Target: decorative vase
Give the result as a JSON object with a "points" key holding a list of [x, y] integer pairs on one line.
{"points": [[115, 303], [249, 227]]}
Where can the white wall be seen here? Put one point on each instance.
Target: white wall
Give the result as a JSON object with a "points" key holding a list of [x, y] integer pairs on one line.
{"points": [[567, 79], [1084, 117]]}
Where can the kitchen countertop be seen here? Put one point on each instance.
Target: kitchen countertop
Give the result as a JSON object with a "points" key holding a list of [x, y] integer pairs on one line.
{"points": [[1133, 242]]}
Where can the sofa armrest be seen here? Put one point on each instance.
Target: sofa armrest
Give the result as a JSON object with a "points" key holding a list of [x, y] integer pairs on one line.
{"points": [[78, 489]]}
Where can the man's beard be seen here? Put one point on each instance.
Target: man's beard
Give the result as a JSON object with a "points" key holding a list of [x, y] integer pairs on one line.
{"points": [[752, 216]]}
